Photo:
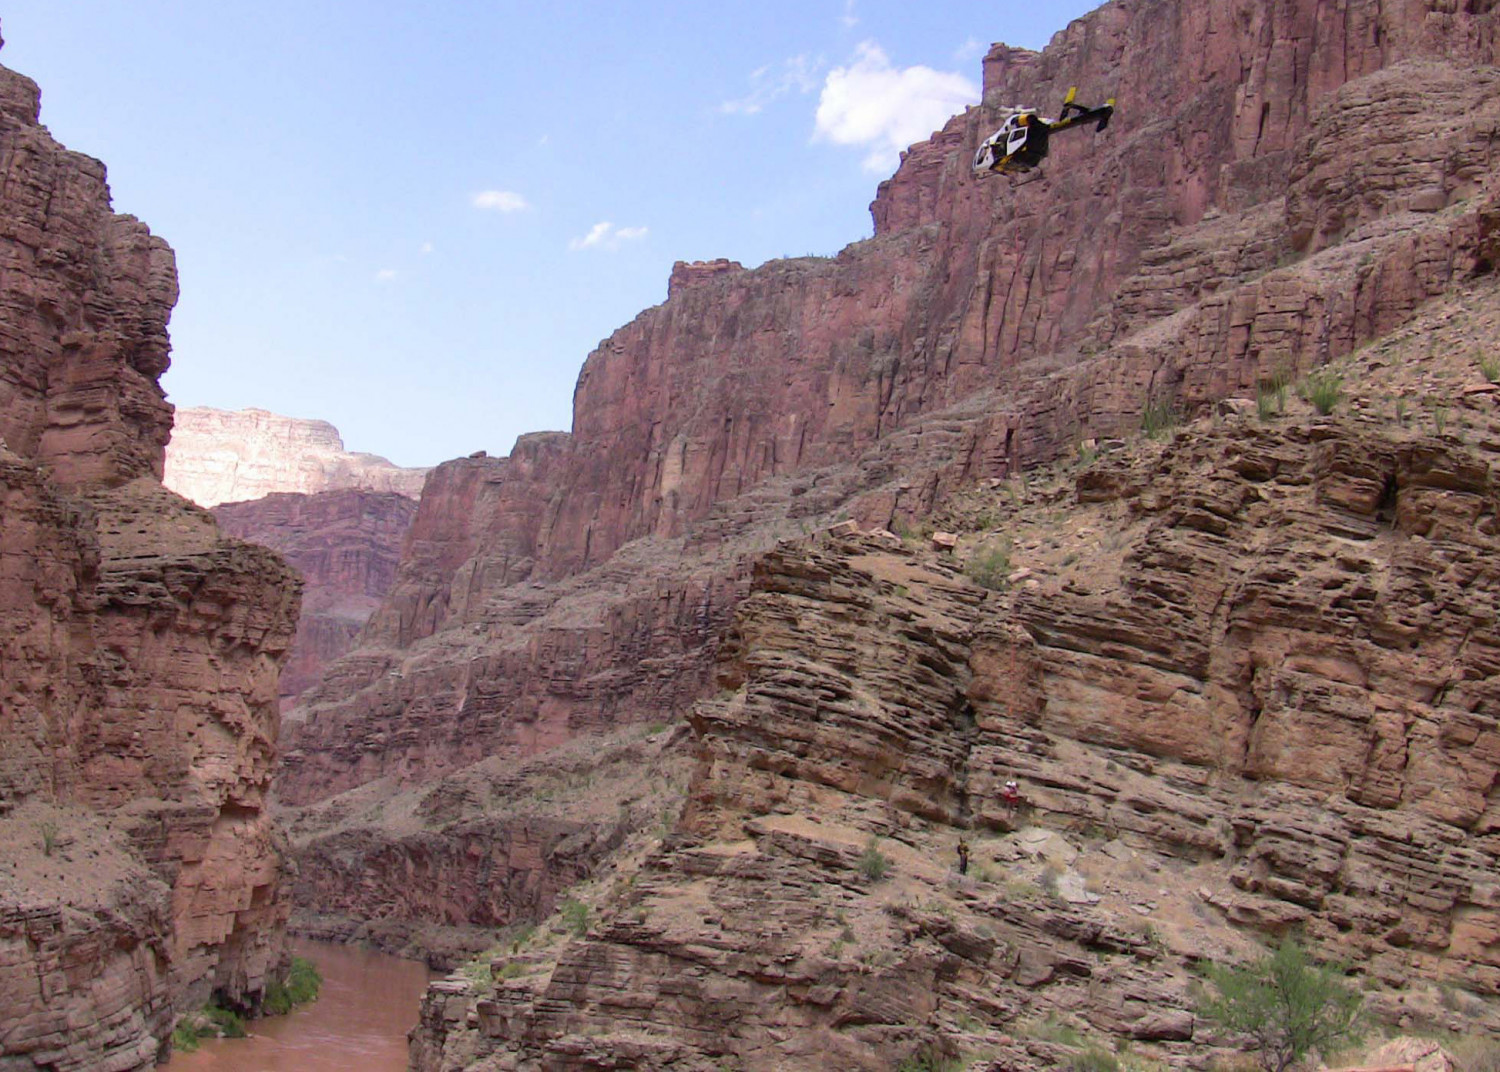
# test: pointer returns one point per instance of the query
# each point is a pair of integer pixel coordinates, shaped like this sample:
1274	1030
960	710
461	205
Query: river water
367	1005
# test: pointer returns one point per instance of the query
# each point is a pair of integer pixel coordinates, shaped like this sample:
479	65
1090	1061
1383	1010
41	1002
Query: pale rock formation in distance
219	456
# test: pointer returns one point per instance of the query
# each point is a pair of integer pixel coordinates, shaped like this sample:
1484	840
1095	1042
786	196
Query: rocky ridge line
219	456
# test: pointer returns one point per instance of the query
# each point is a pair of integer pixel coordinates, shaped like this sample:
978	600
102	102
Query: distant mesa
217	456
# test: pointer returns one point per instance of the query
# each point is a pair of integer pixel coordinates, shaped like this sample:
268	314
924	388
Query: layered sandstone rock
346	545
218	456
1282	193
140	650
1171	258
1242	677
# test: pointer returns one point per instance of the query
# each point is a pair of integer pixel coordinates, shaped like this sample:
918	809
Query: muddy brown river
367	1005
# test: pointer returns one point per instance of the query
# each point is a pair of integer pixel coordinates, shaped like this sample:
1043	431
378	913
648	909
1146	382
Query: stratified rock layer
1250	212
138	650
1283	183
217	456
1256	689
346	545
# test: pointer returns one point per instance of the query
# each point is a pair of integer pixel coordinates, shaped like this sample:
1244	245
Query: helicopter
1021	144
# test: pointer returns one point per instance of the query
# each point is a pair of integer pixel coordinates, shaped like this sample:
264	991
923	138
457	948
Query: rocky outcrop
217	456
346	545
1242	682
139	650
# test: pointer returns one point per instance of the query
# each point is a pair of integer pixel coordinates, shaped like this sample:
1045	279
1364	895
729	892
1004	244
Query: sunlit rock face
139	649
1256	206
219	456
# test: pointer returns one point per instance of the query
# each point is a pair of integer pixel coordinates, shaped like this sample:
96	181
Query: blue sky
415	220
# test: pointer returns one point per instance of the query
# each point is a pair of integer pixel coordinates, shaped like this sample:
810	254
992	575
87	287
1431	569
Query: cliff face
140	650
345	544
217	456
1246	691
1242	680
1287	195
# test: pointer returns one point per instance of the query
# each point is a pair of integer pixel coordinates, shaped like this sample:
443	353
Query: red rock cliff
346	545
1271	202
139	650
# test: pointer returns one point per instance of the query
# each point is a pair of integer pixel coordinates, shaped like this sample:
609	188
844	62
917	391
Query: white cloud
849	18
606	235
887	108
970	50
426	248
797	74
500	201
385	275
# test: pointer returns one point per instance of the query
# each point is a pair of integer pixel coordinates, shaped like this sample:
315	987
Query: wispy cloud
970	50
849	18
884	108
605	235
797	74
426	248
499	201
385	275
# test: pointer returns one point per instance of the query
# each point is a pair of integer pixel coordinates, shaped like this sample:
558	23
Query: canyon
666	730
141	873
1221	735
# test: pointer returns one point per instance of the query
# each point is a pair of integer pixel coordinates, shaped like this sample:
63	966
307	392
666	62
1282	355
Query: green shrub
300	986
1158	416
1287	1004
185	1038
1054	1030
1324	389
989	566
50	834
1270	393
873	863
1094	1059
1269	403
1489	367
929	1060
227	1022
575	916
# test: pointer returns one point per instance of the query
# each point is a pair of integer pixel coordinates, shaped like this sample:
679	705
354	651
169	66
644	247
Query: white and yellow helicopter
1021	144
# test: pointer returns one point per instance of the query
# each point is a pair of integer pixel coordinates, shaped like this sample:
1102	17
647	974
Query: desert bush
930	1060
1269	403
989	566
575	917
1489	366
1158	416
301	985
1053	1030
1094	1059
1325	390
50	834
1286	1003
185	1037
873	863
227	1023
